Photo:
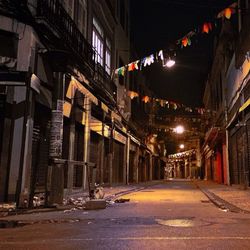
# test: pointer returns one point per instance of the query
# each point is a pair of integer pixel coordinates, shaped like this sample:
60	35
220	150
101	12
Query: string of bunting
168	104
185	41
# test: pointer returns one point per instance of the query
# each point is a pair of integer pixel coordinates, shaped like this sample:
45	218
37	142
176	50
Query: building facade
226	146
65	117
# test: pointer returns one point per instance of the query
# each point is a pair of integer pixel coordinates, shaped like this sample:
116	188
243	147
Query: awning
245	105
76	85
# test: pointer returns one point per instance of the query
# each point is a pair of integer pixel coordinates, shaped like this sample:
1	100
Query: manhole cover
183	222
176	222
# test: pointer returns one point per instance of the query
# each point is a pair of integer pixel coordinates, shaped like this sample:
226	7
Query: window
102	46
97	41
108	57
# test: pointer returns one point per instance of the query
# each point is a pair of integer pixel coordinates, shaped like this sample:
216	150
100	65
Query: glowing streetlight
169	63
182	146
179	129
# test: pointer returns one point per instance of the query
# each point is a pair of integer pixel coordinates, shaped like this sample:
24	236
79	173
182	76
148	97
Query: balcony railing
103	78
53	12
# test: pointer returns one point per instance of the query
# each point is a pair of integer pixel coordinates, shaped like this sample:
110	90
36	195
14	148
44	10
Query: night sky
158	24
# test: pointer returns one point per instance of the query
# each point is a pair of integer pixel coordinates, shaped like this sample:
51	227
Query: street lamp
168	63
179	129
182	146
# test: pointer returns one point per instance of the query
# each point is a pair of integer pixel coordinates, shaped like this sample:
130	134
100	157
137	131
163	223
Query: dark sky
157	24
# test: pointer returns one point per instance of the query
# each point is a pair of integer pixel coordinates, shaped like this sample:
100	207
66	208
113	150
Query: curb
62	207
221	203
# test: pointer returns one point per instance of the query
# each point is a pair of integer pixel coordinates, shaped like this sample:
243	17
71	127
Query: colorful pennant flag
206	28
184	42
145	99
132	94
227	12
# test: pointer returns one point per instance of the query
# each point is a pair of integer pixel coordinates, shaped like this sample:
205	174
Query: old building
215	148
226	146
65	116
237	99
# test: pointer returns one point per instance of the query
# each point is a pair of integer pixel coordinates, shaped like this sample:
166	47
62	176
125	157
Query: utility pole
55	181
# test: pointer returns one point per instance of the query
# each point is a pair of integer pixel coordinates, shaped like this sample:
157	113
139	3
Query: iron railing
103	78
54	13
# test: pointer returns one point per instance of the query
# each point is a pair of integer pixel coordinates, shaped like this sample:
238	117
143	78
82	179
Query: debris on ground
39	200
99	193
121	200
110	202
7	207
78	202
95	204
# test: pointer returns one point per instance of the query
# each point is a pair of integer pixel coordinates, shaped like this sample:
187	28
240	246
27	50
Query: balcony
60	22
104	80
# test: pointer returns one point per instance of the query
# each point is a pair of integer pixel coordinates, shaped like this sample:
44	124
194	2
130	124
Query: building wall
70	95
232	155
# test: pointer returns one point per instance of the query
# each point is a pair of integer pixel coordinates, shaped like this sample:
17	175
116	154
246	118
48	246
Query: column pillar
71	156
87	107
127	159
150	167
136	165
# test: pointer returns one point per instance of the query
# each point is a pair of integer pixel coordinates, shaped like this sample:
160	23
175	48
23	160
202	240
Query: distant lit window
102	46
108	57
97	41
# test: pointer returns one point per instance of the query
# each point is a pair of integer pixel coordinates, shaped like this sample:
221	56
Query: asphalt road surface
173	215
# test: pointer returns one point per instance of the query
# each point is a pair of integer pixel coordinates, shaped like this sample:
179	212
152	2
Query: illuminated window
97	41
108	57
102	46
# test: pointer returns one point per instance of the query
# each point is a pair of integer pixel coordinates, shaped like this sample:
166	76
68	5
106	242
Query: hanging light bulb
168	62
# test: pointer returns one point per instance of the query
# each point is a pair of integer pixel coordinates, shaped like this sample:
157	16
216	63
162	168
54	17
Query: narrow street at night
124	124
170	215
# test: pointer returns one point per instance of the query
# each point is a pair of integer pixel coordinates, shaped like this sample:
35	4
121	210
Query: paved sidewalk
233	198
77	200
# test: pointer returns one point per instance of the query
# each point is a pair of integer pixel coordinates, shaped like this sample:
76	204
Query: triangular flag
132	94
121	71
206	28
160	55
228	13
145	99
131	66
